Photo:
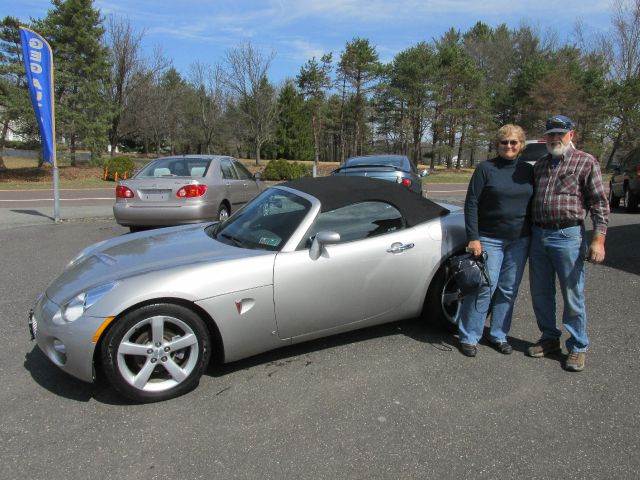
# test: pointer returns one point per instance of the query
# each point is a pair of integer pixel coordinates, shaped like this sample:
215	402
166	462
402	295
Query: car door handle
398	247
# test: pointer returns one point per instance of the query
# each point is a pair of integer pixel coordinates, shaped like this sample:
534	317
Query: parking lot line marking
62	189
62	199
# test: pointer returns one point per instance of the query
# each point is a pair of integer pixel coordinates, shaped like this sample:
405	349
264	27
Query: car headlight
75	308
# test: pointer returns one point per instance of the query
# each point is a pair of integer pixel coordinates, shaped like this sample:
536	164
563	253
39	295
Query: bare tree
207	103
151	104
625	45
246	78
626	38
124	50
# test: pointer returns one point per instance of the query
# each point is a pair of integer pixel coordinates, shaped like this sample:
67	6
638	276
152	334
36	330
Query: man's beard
558	149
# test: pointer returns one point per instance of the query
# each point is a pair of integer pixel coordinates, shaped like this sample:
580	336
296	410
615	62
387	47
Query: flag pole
56	178
41	88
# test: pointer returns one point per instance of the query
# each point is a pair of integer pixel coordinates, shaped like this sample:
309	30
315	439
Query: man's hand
596	249
475	247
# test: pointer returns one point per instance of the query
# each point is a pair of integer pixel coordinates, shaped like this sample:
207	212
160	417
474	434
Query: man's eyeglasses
513	143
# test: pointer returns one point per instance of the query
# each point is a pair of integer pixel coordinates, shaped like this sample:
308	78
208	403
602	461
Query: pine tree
15	107
74	30
314	81
360	67
293	137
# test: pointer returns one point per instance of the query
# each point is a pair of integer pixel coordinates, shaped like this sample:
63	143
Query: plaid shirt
566	191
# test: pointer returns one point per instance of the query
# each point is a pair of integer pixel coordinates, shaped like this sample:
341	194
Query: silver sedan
303	260
184	189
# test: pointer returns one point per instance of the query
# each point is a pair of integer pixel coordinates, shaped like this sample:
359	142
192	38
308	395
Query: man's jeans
505	264
559	252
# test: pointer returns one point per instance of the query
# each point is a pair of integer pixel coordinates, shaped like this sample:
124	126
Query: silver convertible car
303	260
184	189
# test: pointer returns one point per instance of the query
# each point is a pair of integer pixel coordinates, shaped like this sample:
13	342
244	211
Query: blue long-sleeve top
498	197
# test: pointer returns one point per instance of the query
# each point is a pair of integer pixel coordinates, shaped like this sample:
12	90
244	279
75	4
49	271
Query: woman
497	222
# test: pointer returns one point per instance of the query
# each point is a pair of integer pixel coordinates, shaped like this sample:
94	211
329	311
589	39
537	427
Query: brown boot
544	347
575	361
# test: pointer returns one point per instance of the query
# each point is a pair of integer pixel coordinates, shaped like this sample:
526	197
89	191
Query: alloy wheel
451	301
157	353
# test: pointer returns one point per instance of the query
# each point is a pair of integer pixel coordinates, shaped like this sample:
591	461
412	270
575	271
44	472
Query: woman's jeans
505	264
559	252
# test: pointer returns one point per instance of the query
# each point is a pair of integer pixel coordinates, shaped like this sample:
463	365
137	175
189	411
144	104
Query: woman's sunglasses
513	143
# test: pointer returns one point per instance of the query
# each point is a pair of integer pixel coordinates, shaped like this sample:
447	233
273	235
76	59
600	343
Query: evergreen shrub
123	166
283	170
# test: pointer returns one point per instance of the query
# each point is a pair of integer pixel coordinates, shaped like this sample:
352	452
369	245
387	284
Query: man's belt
558	225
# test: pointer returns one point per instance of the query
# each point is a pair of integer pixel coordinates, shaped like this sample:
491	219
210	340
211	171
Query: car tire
630	201
442	305
156	352
223	212
614	202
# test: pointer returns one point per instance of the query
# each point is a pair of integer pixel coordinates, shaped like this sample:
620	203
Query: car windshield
391	161
533	152
176	167
266	223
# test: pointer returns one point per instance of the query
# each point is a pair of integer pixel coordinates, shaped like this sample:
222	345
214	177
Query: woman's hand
475	247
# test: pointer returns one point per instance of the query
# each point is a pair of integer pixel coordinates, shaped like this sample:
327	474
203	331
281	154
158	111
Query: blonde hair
511	129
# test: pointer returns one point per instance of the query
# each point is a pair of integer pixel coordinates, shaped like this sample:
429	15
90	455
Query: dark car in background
533	151
625	182
394	168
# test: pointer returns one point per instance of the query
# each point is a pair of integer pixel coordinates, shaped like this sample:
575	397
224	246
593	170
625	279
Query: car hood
134	254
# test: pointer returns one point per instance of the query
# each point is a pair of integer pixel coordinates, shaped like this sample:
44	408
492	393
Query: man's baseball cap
559	124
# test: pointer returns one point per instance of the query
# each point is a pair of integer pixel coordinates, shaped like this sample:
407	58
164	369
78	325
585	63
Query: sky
203	30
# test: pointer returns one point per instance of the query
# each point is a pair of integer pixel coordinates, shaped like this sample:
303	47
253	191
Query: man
568	184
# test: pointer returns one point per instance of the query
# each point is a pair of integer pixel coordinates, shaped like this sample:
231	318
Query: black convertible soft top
336	192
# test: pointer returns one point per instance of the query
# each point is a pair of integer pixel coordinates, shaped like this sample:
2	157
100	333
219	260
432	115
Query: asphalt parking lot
395	401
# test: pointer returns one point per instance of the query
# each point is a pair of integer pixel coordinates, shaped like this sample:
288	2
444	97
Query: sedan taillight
406	182
123	192
191	191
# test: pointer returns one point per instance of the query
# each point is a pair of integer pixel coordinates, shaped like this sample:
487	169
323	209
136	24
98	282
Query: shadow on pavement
35	213
414	328
59	383
623	248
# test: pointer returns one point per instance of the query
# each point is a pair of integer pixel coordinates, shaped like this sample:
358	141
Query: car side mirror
424	173
257	176
321	239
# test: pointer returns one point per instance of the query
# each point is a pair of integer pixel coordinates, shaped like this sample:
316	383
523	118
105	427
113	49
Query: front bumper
67	345
157	215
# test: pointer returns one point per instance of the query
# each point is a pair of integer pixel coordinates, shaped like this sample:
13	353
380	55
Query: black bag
469	272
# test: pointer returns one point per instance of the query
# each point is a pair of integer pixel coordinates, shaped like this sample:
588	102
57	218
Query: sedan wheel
223	212
156	352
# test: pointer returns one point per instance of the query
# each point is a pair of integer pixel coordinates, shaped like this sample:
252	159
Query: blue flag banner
38	62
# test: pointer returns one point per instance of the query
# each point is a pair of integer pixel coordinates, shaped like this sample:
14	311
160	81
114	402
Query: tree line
438	101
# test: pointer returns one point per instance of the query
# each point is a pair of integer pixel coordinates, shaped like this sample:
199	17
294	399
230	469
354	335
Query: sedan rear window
176	167
392	161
